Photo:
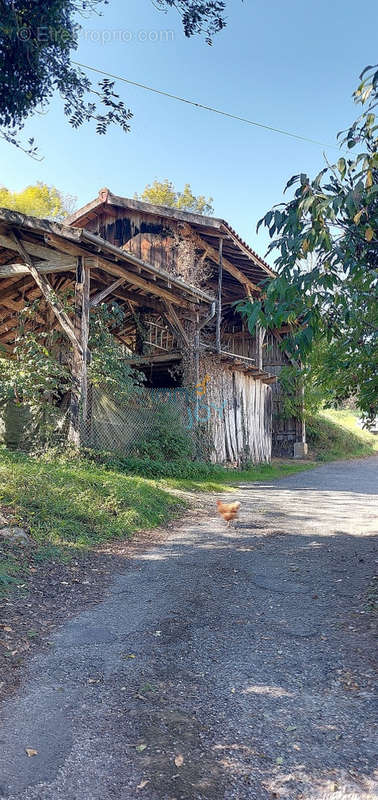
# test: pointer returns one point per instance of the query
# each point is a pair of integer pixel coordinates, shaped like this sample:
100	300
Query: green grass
65	502
226	480
334	434
195	475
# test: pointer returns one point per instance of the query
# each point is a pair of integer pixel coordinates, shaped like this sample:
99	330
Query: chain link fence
26	429
166	423
159	423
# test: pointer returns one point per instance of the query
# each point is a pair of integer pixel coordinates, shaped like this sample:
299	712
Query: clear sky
292	65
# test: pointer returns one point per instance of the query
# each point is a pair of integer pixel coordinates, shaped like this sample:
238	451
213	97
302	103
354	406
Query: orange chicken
228	511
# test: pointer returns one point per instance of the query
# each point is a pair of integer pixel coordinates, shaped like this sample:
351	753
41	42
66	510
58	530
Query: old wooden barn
176	276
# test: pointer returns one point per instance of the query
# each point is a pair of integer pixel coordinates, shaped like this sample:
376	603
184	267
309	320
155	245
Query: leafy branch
326	240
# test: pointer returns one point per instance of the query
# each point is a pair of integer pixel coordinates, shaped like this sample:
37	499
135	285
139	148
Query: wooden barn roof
53	249
210	229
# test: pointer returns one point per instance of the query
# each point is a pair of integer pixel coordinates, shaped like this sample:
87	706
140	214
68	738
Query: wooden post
219	299
260	336
79	390
300	446
301	421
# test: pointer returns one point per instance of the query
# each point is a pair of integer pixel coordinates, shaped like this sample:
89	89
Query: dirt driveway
223	664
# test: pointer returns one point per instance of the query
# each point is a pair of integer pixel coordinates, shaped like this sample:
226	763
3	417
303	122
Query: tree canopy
37	41
325	293
39	200
163	193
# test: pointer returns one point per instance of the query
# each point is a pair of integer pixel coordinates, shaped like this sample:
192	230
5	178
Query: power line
201	105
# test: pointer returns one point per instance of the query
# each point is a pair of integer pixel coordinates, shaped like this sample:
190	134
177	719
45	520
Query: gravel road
222	664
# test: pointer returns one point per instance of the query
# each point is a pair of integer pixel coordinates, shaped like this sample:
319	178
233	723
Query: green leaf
341	166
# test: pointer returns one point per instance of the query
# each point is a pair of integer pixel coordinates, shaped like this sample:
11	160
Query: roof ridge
105	196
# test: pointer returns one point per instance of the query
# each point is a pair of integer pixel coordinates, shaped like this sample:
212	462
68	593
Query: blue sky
292	65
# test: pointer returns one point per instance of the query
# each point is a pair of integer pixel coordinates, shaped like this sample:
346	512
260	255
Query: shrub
167	439
155	468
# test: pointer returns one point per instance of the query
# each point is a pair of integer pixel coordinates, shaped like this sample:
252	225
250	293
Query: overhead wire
202	105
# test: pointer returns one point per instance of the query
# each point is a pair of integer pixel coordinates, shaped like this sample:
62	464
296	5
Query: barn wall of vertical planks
240	430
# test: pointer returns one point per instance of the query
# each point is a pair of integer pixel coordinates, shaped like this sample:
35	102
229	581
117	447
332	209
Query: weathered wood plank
39	251
177	325
44	267
227	265
116	269
96	299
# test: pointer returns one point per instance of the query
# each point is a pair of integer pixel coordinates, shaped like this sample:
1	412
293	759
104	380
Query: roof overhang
210	229
50	242
54	248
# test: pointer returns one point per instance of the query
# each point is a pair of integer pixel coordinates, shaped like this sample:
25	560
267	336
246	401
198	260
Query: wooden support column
260	336
79	390
301	423
219	296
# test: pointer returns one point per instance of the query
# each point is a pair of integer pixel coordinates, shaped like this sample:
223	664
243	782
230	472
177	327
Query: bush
167	439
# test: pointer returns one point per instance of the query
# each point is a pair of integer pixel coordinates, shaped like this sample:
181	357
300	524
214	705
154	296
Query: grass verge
65	501
334	435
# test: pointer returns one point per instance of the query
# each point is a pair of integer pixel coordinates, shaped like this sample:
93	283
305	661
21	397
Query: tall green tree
163	193
38	200
38	39
326	238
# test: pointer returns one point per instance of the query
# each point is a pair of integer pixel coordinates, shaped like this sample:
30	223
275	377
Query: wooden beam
17	306
16	287
120	272
254	258
33	249
7	282
219	298
174	355
137	299
48	294
227	265
79	390
100	296
176	324
14	305
260	335
10	323
8	270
